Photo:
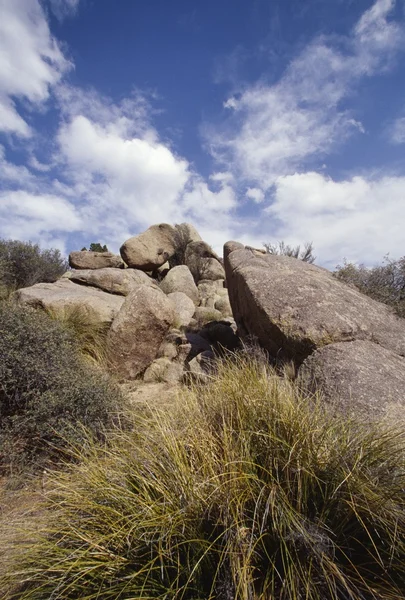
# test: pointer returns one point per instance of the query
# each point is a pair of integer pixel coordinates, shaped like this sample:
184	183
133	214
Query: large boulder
183	307
292	307
151	249
359	378
84	259
203	262
64	297
180	279
138	330
113	281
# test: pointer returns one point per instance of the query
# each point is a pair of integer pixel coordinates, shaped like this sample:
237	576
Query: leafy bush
244	489
306	254
385	283
23	264
46	389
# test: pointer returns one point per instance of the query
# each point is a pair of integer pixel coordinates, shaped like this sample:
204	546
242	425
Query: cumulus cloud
31	61
275	129
359	218
36	217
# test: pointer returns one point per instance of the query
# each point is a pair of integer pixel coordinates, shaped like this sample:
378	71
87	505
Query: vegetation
23	264
244	490
385	283
181	239
46	389
90	336
96	247
305	254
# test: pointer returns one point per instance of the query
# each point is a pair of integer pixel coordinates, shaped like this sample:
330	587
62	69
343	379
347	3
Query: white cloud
39	218
255	194
31	61
64	8
360	219
275	129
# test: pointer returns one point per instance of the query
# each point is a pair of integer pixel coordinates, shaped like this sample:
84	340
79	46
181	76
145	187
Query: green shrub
243	490
46	389
23	264
305	254
385	283
96	247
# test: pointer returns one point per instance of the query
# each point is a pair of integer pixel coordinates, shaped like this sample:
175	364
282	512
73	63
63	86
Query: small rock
163	369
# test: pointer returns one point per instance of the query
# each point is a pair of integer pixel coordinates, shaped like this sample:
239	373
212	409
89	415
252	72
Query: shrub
46	389
244	490
23	264
306	254
181	239
385	283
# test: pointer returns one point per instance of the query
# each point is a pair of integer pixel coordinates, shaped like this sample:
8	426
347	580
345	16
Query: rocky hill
171	309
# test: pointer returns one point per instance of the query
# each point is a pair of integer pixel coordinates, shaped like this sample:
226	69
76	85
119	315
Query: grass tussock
245	490
90	335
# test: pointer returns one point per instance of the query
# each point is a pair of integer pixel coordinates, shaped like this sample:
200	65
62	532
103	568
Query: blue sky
255	120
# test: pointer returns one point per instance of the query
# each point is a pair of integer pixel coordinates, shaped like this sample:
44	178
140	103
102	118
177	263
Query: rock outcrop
150	249
292	307
85	259
138	330
64	296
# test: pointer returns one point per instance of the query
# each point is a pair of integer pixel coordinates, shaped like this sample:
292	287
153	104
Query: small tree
283	249
97	247
23	264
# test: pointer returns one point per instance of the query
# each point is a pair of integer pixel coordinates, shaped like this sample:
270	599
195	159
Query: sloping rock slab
150	249
359	378
84	259
113	281
293	307
138	330
64	295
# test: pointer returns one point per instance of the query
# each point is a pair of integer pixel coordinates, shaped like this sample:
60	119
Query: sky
255	120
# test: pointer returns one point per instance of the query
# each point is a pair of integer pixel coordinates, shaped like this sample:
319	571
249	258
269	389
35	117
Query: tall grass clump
46	390
90	335
244	490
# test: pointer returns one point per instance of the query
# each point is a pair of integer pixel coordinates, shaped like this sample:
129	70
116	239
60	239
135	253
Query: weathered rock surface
203	262
210	291
180	279
64	296
113	281
205	315
163	369
183	307
224	306
150	249
293	307
138	330
359	378
84	259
